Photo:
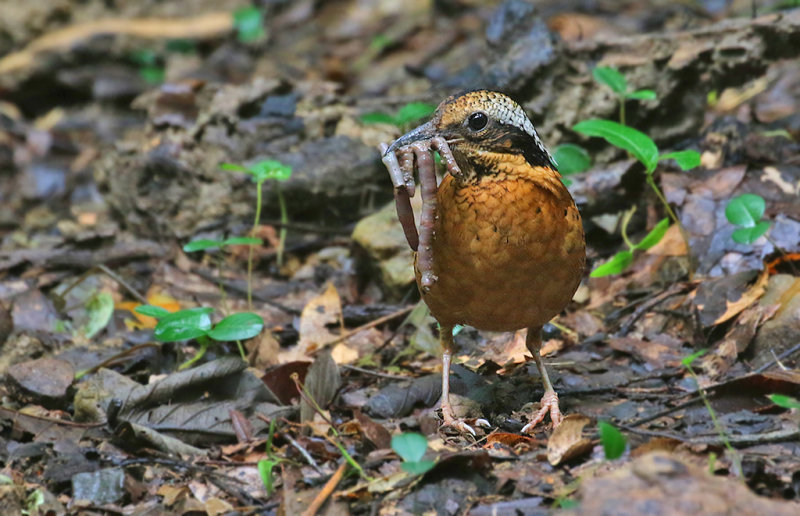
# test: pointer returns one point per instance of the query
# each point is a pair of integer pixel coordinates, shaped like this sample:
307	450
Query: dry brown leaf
671	245
750	296
567	441
320	312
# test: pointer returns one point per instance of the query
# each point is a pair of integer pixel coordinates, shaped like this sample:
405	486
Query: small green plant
265	466
612	78
784	401
261	172
411	447
622	260
723	434
337	438
613	441
151	66
195	323
745	211
644	149
407	114
206	244
249	24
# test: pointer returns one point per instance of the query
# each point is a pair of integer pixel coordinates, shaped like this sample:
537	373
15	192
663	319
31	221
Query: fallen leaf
750	296
567	441
323	310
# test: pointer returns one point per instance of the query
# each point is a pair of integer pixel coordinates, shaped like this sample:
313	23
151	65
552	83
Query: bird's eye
477	121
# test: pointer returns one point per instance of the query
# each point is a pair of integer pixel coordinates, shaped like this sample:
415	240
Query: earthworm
402	196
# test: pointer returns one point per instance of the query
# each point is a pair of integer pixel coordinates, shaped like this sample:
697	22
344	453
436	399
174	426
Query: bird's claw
462	426
549	404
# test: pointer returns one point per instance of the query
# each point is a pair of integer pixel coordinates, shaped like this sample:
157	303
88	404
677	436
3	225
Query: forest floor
678	372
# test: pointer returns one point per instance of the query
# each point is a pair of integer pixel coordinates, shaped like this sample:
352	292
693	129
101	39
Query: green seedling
265	466
151	66
784	401
337	438
612	78
411	447
723	434
623	259
181	46
407	114
644	149
745	211
195	324
206	244
613	441
249	24
261	172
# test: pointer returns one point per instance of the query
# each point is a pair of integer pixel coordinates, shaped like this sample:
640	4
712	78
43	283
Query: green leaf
233	167
687	361
618	263
413	111
183	325
265	467
249	24
654	236
377	118
152	74
612	439
417	467
624	137
784	401
100	309
181	46
687	159
156	312
612	78
242	241
749	235
237	327
410	446
270	169
380	42
641	95
571	159
144	57
202	244
745	210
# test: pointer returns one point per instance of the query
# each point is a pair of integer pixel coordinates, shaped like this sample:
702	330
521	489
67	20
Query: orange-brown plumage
507	249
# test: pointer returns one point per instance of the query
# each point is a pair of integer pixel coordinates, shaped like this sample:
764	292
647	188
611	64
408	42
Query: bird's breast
508	251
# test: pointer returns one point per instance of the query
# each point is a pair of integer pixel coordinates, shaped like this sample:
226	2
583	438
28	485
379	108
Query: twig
777	359
380	320
113	275
375	373
326	491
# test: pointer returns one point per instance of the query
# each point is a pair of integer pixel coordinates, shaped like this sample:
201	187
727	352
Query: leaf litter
99	197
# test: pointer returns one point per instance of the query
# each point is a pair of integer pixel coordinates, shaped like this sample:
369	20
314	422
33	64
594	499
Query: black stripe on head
512	139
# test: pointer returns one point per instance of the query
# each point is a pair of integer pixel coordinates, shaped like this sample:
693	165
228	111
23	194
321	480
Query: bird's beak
424	132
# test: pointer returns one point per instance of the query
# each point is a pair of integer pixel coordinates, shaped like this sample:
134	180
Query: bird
504	246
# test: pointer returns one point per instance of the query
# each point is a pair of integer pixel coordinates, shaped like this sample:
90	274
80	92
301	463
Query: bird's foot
462	425
549	405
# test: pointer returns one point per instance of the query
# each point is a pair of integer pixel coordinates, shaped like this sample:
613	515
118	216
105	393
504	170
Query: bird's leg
427	183
550	399
448	416
402	175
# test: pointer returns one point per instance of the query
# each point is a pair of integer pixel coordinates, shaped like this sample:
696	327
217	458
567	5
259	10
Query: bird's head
481	128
